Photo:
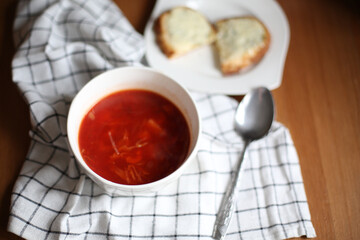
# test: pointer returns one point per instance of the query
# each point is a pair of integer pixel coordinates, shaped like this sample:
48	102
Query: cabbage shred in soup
134	137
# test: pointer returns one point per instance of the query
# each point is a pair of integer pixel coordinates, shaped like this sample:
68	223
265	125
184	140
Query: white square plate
199	70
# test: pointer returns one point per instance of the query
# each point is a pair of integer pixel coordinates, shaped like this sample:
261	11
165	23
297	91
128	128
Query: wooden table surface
319	101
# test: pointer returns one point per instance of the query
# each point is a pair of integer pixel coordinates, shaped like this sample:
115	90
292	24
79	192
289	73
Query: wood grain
319	101
14	119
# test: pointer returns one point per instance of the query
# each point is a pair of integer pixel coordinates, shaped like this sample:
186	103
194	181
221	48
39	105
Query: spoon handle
228	203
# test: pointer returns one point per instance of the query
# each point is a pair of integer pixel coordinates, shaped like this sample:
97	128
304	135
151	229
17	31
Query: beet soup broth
134	137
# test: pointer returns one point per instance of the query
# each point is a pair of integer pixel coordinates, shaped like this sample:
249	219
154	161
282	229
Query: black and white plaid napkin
61	45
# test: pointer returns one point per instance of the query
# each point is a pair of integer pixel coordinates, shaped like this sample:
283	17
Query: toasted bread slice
241	42
181	30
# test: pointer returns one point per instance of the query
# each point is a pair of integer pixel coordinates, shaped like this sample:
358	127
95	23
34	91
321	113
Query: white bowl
132	78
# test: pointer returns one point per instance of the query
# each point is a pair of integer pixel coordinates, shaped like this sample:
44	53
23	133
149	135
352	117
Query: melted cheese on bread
182	29
241	42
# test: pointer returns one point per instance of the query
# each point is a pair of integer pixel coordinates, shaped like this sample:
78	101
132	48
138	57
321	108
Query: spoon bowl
255	114
253	119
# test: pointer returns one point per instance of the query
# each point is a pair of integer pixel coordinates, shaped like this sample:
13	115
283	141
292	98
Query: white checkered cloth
61	45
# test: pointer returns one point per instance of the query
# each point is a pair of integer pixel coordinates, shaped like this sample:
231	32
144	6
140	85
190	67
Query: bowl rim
139	187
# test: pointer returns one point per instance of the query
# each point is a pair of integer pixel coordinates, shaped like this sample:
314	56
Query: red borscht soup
134	137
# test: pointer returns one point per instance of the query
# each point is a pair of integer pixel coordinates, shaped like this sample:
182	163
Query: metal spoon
253	119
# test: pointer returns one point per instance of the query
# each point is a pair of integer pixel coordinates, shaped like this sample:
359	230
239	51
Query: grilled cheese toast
241	42
181	30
